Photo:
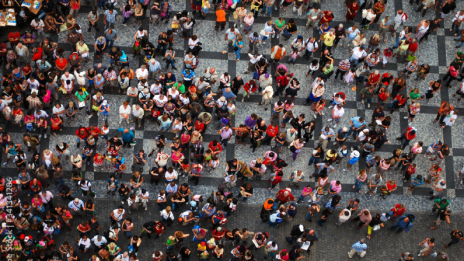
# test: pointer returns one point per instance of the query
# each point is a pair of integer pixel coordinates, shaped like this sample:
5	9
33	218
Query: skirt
248	28
291	92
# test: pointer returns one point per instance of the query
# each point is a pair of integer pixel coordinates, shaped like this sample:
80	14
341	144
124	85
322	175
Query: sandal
435	121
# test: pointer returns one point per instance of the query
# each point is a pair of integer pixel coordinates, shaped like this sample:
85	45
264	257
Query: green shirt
278	24
181	89
459	60
327	71
440	204
414	96
83	96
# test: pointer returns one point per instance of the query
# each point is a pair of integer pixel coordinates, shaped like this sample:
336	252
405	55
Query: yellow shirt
329	40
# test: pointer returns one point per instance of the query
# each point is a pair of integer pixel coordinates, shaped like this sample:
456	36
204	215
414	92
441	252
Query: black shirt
94	226
378	115
293	254
164	40
61	150
433	26
237	83
150	226
375	222
386	123
116	143
231	165
111	53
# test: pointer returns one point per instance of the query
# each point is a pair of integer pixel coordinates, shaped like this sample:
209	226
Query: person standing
408	135
359	248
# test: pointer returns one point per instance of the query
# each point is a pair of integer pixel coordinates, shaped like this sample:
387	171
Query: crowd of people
43	87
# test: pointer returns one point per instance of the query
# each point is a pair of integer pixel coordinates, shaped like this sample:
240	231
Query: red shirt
218	235
3	47
38	55
14	35
412	46
199	126
215	148
375	77
62	64
398	212
408	135
271	131
325	17
82	136
276	180
400	100
282	198
411	170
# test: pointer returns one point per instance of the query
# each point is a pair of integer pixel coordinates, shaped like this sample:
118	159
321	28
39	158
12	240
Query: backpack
411	217
210	200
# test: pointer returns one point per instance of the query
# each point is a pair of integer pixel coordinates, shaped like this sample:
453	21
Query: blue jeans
286	33
460	43
124	21
128	233
354	60
164	128
308	216
60	182
159	46
319	222
301	198
313	160
395	226
109	43
224	142
42	14
358	184
172	63
274	224
267	10
398	41
406	141
352	132
455	27
237	53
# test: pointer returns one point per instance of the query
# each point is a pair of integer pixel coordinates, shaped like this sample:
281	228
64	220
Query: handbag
376	227
235	15
457	23
235	48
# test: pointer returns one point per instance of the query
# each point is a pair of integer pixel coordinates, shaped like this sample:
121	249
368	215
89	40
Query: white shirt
123	110
400	18
160	101
311	46
84	186
117	215
165	214
48	196
177	126
86	243
271	247
192	43
169	176
99	243
344	218
34	85
122	258
155	88
362	136
174	93
458	16
141	74
269	94
338	112
58	110
137	113
254	60
357	54
64	78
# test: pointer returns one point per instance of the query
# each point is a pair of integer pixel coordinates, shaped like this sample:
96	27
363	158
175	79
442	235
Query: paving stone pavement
438	52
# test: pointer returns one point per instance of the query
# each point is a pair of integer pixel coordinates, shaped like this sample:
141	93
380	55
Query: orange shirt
62	64
221	16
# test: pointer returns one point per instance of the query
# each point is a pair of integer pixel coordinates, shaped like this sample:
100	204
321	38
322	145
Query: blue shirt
228	95
406	226
189	76
111	18
169	188
154	67
353	34
111	36
127	137
356	123
359	247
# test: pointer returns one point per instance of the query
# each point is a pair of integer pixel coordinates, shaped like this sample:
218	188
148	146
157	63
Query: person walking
359	248
456	235
404	224
428	244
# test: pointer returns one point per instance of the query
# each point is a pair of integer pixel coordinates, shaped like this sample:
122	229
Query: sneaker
368	105
122	202
331	106
45	136
120	122
419	254
329	120
146	208
335	143
40	136
335	126
405	117
277	36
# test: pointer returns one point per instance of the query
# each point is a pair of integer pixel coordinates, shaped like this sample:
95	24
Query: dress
354	11
348	77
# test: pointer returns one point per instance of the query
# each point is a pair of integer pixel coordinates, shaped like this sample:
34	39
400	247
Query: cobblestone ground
334	242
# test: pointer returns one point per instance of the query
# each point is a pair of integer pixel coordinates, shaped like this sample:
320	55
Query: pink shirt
334	186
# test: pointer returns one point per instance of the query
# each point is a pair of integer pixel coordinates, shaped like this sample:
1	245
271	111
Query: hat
301	227
355	154
105	102
35	91
266	75
202	232
193	203
344	129
376	72
137	43
145	90
223	99
203	243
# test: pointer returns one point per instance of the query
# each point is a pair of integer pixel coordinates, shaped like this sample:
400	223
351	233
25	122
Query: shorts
411	115
9	156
